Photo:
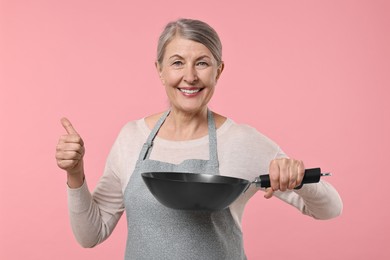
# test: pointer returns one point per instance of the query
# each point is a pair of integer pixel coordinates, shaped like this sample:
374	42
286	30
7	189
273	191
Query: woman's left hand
285	174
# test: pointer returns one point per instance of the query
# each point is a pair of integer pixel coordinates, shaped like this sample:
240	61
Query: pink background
312	75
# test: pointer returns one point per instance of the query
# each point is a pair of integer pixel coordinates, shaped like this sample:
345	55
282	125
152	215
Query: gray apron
158	232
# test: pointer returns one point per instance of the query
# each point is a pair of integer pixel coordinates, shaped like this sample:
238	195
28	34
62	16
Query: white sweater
242	152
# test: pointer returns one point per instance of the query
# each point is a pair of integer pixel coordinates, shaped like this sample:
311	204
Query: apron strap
212	139
147	147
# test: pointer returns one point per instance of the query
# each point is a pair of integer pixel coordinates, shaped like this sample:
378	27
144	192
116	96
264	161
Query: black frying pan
190	191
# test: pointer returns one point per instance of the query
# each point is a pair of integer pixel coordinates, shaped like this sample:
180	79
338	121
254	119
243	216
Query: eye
177	64
202	64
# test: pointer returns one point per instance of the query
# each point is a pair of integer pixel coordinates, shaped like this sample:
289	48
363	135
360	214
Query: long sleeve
94	216
242	151
91	222
318	200
245	153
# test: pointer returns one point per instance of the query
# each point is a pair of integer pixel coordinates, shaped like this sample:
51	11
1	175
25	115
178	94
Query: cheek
212	79
214	75
171	78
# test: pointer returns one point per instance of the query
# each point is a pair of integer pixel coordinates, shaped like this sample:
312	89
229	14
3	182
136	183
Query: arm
92	216
319	200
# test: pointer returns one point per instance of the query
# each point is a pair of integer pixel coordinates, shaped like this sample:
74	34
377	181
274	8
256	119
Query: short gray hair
193	30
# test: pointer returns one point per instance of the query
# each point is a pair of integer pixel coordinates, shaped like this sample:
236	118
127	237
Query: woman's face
189	73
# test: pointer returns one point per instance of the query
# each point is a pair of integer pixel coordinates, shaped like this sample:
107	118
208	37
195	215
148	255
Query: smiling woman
189	73
186	138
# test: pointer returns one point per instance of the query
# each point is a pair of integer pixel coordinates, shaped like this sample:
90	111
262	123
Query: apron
158	232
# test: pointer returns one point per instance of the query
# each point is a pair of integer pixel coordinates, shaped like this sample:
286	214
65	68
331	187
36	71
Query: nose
190	75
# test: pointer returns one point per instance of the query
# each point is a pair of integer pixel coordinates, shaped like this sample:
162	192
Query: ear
220	69
159	71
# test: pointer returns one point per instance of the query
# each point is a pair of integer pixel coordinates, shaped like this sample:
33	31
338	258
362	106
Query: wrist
75	180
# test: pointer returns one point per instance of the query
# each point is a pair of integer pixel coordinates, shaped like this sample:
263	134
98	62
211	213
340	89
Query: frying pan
193	191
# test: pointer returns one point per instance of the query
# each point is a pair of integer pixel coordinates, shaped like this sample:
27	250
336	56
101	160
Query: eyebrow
175	56
180	57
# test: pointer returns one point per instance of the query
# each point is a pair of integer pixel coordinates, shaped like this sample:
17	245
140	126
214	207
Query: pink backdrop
312	75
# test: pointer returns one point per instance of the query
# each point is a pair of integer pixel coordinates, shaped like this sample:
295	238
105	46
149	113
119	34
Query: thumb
68	126
268	193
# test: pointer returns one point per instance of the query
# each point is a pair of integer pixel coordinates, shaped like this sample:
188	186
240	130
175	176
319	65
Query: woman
186	138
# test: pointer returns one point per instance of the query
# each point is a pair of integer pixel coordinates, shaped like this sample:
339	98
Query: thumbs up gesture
70	151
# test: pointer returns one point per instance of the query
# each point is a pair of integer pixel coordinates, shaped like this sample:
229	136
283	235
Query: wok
193	191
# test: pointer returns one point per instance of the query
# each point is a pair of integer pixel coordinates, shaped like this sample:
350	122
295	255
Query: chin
190	109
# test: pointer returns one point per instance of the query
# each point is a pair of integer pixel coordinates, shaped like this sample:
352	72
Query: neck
186	126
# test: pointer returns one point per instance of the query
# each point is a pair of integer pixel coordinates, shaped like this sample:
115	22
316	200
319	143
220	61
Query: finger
68	139
284	172
268	193
67	164
293	174
68	126
64	146
301	173
68	155
274	174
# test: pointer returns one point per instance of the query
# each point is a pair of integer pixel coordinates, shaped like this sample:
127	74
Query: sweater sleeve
318	200
94	216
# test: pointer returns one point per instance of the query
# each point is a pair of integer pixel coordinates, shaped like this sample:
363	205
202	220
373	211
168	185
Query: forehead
186	48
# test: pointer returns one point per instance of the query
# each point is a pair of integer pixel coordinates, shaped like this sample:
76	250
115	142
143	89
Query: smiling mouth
190	91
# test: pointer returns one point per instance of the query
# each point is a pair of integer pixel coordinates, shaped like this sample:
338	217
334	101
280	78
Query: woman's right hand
69	154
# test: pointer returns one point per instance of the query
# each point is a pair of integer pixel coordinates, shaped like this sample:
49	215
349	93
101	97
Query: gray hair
193	30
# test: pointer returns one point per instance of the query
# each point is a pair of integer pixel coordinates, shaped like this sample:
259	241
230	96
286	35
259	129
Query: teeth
190	91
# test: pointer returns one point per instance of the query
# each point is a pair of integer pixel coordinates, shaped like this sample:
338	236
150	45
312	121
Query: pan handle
312	175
